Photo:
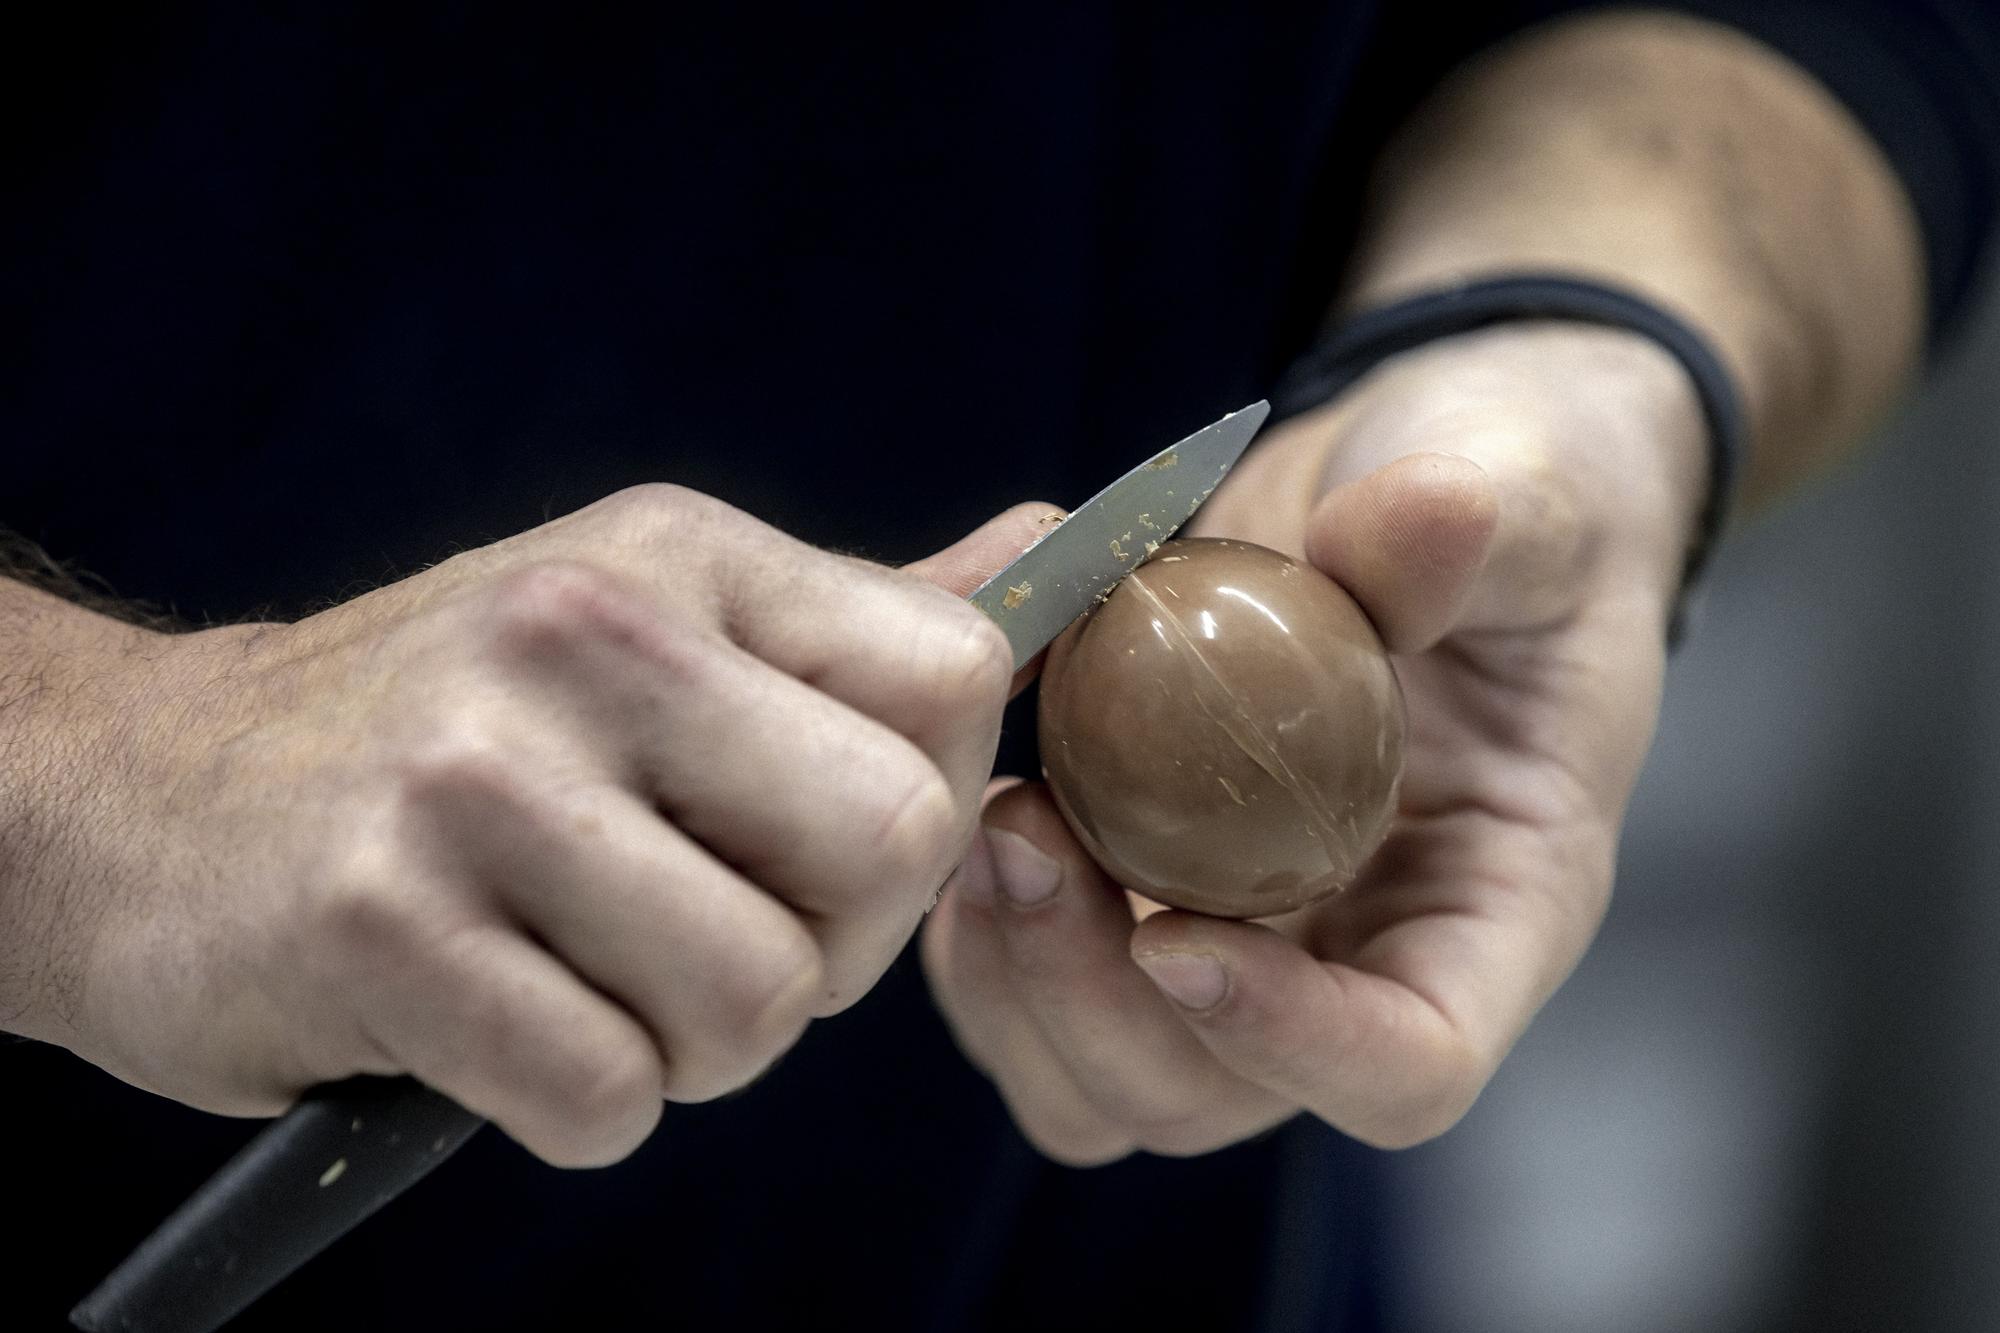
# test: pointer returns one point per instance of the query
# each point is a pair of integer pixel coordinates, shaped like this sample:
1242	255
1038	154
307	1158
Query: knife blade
1077	564
348	1148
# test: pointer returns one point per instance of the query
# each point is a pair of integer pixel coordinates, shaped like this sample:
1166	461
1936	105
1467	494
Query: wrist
1683	160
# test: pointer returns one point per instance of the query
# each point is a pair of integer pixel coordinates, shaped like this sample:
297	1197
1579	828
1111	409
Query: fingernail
1025	873
1194	981
973	880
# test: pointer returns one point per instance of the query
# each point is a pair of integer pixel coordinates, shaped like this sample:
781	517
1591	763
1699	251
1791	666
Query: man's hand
1512	508
600	814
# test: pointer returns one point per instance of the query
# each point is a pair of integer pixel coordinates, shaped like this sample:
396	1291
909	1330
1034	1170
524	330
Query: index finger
888	643
964	566
900	645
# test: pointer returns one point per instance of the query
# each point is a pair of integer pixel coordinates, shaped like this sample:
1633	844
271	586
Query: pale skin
594	817
1512	508
606	813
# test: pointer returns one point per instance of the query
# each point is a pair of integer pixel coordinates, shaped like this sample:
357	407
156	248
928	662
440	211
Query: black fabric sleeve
1922	76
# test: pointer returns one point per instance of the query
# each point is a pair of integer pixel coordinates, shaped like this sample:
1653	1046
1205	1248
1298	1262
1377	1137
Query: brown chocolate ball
1224	733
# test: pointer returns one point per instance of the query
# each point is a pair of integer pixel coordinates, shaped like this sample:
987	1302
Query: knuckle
490	1034
363	920
460	760
861	950
966	667
771	998
551	604
759	1010
1071	1140
1550	520
549	611
658	511
1429	1108
1185	1142
607	1106
1172	1133
655	504
918	833
986	658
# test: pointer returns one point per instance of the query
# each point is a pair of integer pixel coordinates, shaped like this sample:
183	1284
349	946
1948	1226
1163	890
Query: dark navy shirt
297	303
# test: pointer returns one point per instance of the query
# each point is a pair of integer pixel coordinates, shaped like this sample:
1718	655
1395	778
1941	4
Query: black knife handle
346	1149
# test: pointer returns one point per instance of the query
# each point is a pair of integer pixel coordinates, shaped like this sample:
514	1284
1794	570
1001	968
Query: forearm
1684	161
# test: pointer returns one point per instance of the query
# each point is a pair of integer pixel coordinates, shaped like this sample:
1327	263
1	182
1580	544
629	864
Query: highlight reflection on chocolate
1225	733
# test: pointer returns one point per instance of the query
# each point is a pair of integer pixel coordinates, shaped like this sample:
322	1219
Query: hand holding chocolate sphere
1225	733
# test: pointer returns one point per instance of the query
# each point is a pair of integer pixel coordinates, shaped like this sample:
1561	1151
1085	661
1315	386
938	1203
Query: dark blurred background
1762	1103
1769	1097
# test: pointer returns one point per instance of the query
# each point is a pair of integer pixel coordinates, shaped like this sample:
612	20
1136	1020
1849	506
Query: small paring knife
349	1147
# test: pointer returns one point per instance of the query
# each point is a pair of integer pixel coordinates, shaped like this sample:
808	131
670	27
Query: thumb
976	557
1408	542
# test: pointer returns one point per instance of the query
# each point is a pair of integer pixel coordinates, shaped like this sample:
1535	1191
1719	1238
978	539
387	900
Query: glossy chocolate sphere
1224	733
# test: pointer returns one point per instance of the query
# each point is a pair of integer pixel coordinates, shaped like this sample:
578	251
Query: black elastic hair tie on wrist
1347	352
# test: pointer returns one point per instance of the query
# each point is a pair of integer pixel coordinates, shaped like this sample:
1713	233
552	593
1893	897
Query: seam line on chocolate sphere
1263	752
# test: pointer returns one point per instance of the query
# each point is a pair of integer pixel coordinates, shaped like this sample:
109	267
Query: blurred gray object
1770	1096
